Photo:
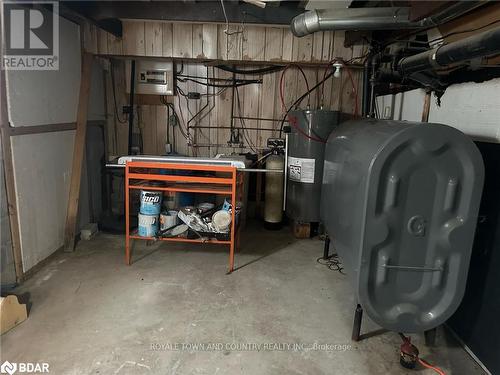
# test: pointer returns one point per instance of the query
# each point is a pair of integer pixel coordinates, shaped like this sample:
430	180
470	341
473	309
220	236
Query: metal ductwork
392	18
476	46
350	19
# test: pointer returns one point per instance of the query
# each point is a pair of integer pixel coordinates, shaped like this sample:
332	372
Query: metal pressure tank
306	149
400	202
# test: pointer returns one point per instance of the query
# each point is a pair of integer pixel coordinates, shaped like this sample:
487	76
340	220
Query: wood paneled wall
209	41
196	48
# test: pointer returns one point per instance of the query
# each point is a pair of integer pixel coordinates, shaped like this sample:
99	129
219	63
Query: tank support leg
356	327
326	249
430	337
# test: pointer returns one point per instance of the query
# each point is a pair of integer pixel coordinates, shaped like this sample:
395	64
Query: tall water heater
306	151
400	202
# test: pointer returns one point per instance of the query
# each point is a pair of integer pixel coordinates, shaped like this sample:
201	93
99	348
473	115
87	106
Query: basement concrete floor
91	314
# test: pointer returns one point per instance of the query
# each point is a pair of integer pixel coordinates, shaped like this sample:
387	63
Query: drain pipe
387	18
476	46
365	102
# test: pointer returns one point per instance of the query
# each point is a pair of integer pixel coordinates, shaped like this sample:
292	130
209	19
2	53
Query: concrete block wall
473	108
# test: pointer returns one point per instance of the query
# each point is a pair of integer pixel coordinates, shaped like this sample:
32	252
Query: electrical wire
397	40
270	69
172	107
282	88
182	69
332	262
298	101
263	157
431	367
407	340
463	31
362	57
243	125
226	30
215	93
184	76
199	112
236	83
168	124
180	91
140	128
184	134
114	95
293	121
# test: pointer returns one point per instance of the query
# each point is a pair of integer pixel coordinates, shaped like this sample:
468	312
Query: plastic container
168	219
148	225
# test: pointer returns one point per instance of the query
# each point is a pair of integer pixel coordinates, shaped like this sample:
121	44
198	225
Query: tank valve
408	356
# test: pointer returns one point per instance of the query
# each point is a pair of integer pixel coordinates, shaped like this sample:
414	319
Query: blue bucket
148	225
151	202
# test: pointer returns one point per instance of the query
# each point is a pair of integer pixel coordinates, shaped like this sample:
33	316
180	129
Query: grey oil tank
306	150
400	203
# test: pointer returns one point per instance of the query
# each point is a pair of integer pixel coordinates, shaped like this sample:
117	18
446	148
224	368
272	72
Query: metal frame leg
233	222
326	249
127	217
356	326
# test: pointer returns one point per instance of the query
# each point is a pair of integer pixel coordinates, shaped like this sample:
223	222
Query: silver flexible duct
392	18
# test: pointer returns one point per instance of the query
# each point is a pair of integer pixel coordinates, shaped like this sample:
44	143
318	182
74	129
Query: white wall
474	108
403	106
7	269
50	96
42	162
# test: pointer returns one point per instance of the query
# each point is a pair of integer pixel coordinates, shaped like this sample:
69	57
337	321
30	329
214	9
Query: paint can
151	202
168	219
221	220
148	225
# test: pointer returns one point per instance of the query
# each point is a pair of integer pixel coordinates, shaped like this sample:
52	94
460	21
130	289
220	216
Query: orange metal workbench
227	182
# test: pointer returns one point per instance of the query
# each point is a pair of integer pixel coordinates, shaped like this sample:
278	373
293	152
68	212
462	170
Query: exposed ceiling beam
202	11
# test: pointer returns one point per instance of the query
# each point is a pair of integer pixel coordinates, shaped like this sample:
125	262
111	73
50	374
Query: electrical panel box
152	77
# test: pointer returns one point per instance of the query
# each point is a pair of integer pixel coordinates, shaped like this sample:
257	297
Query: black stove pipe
476	46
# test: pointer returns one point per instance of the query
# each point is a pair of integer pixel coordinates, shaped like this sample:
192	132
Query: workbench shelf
185	177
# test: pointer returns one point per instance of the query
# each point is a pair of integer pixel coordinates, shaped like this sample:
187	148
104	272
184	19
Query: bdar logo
8	368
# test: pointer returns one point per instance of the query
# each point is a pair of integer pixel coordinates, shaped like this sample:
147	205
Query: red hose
431	367
293	121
